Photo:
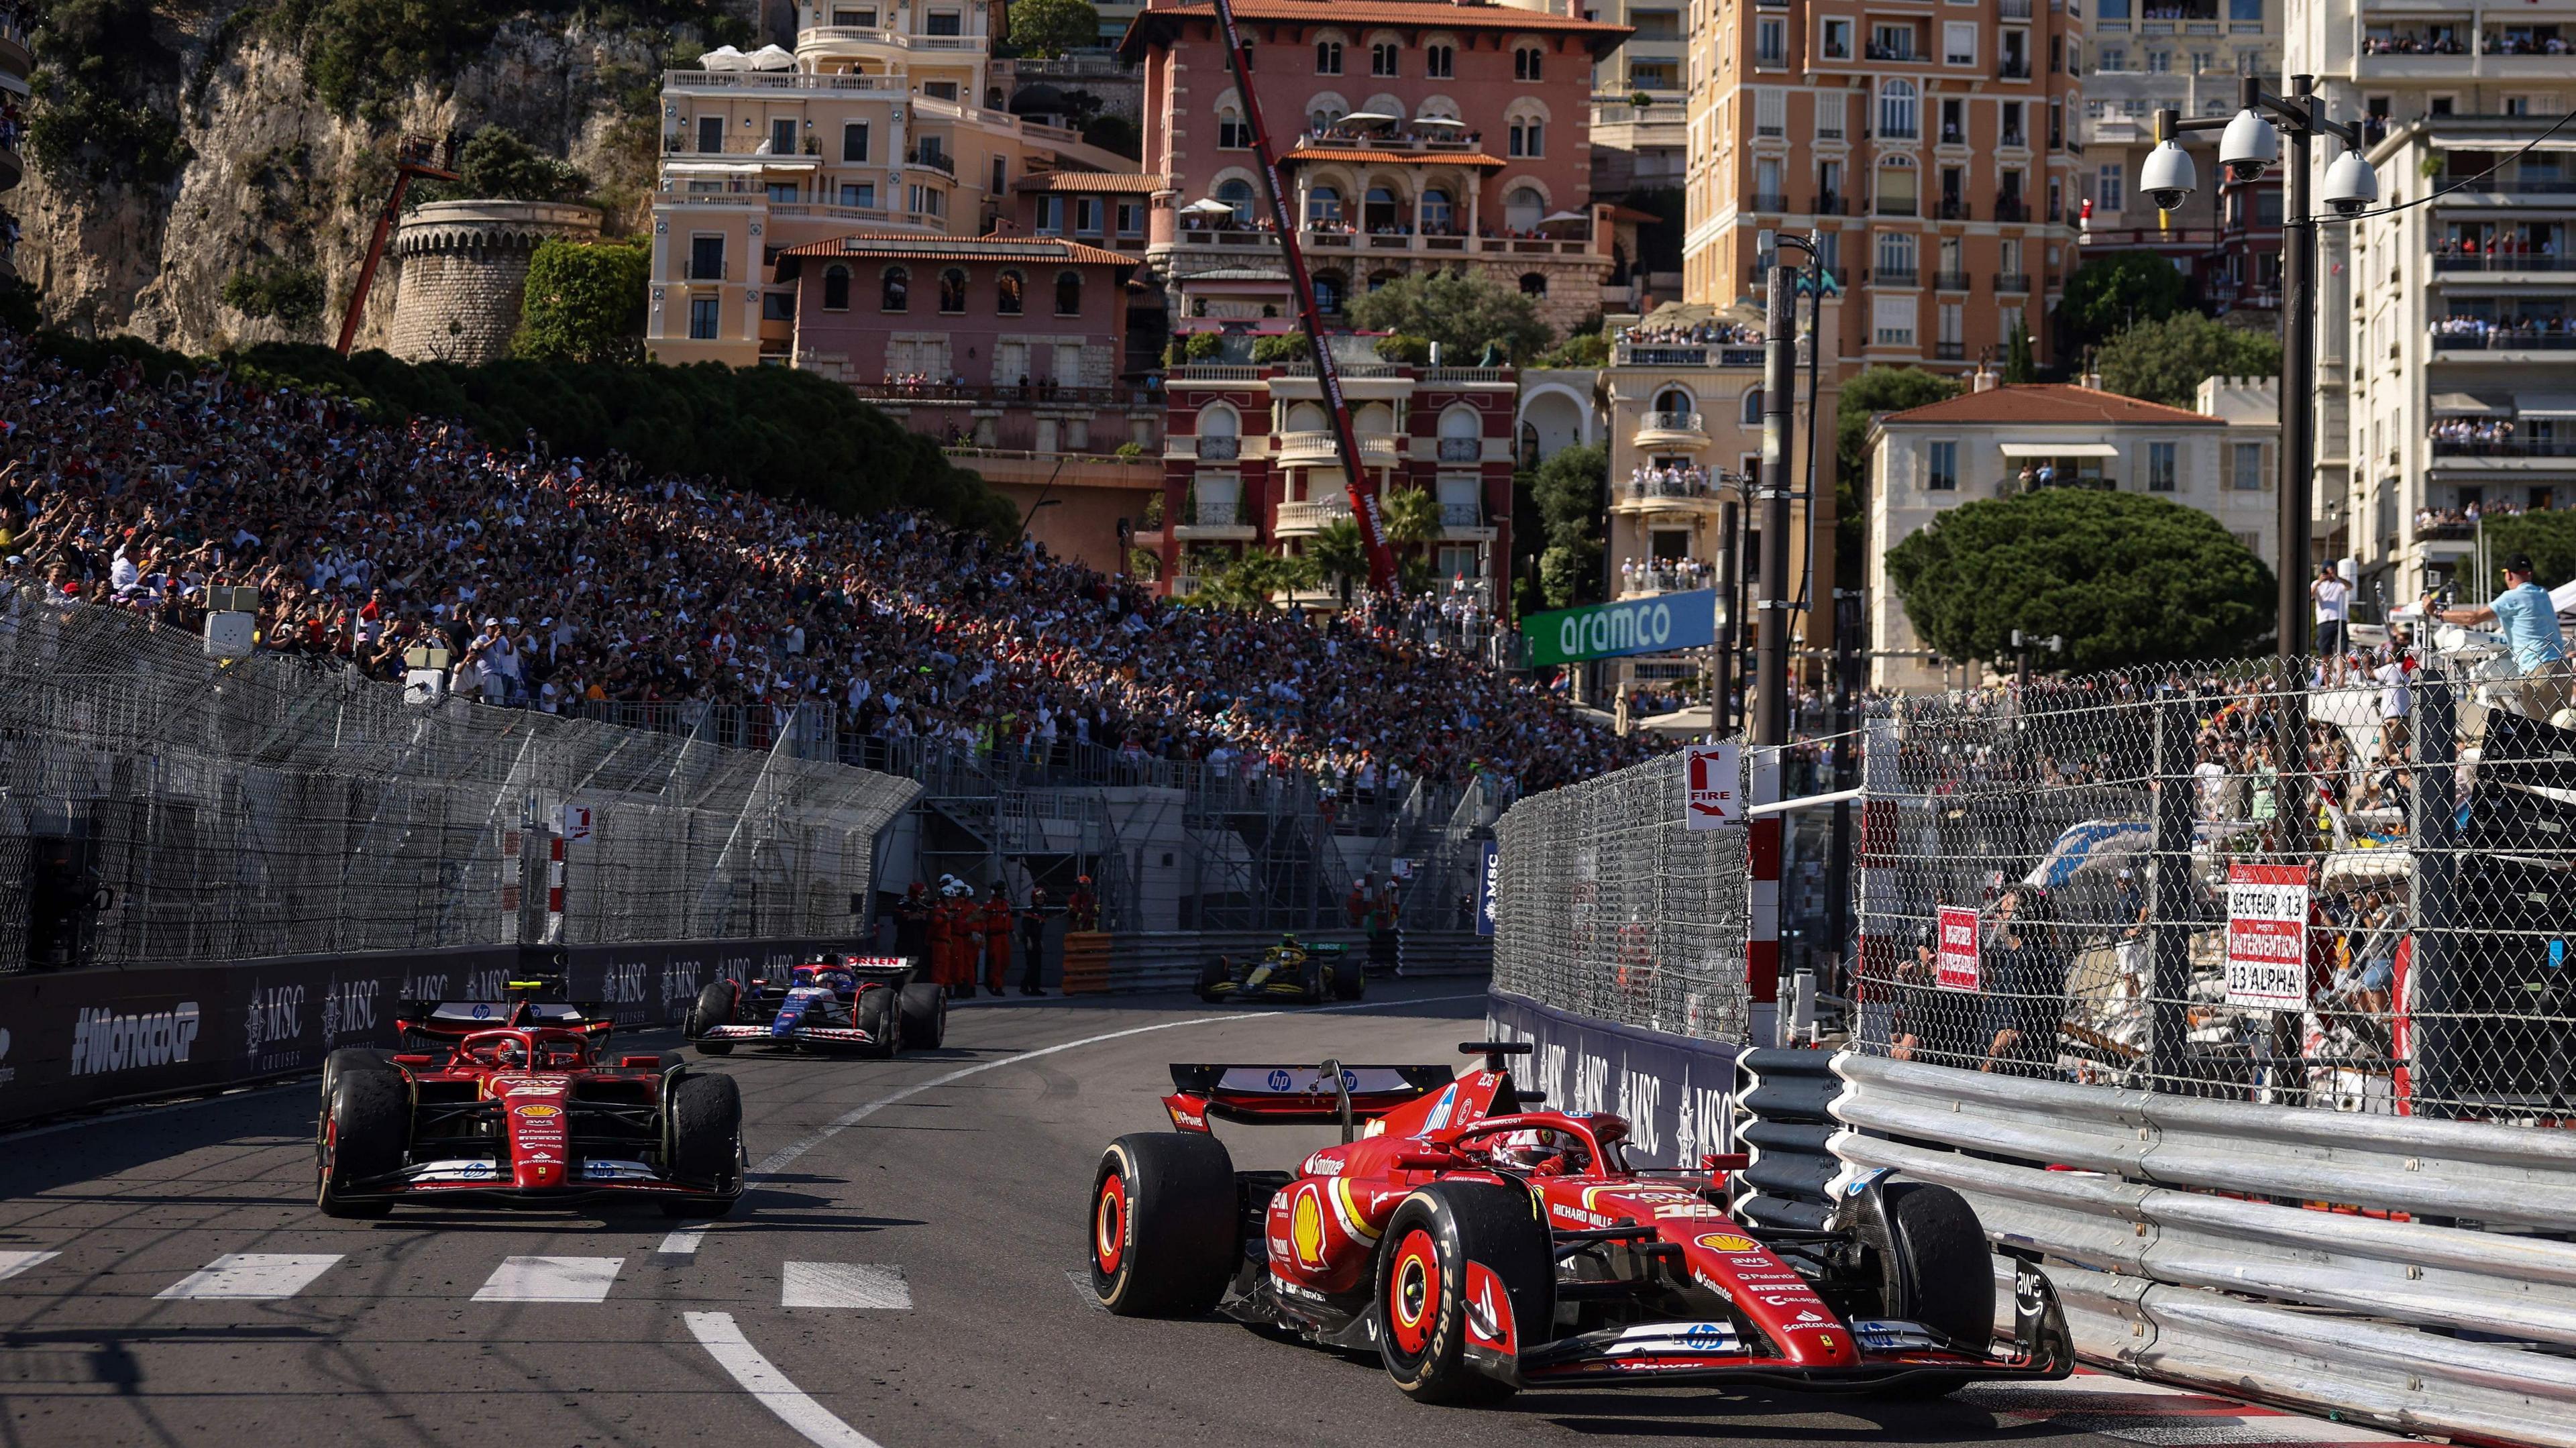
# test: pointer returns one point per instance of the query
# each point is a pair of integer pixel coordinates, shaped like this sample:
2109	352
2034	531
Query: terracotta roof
1393	158
1426	13
2040	403
1119	181
1630	213
901	246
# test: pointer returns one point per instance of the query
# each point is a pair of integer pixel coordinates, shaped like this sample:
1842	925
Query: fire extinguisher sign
2267	936
1715	778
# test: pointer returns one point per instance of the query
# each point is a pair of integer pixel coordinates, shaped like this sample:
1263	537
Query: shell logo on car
1306	1227
1728	1242
539	1113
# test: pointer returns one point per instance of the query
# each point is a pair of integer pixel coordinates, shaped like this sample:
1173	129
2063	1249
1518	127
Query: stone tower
463	270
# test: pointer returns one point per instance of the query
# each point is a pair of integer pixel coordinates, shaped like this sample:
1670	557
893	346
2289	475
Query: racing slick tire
1166	1224
1212	975
1422	1293
1318	983
1940	1249
347	1058
702	1141
878	1013
366	1128
1350	979
925	1017
714	1008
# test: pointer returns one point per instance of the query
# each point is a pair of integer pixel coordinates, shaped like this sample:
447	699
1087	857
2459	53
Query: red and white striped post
1763	837
513	872
554	889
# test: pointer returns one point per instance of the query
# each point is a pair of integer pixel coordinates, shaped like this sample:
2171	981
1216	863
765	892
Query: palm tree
1411	516
1337	551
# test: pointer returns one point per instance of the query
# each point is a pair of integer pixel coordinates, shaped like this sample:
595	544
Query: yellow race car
1288	971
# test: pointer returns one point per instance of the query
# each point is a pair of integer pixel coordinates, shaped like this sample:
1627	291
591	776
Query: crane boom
1364	499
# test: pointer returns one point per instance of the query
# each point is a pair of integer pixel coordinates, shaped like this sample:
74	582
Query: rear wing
455	1020
880	967
1324	1095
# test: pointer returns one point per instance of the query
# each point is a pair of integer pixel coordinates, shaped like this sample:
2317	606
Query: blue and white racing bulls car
867	1005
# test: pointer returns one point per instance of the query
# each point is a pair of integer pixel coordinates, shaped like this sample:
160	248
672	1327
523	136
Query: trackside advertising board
2267	936
1661	624
1955	958
1489	883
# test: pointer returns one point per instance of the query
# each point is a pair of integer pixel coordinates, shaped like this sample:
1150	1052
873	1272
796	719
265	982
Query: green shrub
290	296
1286	347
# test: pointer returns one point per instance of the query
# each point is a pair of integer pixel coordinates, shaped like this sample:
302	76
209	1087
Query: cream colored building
884	119
1928	460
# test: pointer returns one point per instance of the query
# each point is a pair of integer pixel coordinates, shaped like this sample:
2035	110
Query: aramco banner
1661	624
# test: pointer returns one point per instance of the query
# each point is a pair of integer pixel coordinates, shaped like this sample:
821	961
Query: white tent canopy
1369	118
2464	404
771	57
1207	206
724	57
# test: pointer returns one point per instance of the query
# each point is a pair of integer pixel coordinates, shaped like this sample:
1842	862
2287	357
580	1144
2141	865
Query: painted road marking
688	1240
734	1353
252	1276
845	1284
13	1263
550	1279
2160	1414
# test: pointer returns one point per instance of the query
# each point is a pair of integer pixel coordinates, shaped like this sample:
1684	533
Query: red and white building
1251	463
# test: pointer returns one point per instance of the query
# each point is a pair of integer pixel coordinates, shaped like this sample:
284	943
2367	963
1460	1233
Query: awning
2462	404
2057	450
744	167
2553	405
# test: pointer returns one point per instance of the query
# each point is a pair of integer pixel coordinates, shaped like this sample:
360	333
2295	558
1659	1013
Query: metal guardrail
2404	1271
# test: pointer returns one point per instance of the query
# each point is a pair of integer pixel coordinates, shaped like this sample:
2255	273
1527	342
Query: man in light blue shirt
2528	619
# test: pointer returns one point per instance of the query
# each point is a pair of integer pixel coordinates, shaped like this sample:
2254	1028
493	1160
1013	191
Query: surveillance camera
2350	185
2168	177
2249	146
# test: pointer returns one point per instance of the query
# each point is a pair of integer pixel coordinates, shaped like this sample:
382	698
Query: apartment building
1417	134
2448	381
1928	144
2190	56
1638	88
1251	463
882	119
1995	440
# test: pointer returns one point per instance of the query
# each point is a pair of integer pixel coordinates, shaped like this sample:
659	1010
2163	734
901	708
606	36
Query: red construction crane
1364	500
415	156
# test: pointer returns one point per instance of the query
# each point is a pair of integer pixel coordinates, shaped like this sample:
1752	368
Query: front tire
703	1137
1165	1224
1350	980
877	1013
366	1129
1423	1295
714	1008
1212	975
1939	1272
925	1017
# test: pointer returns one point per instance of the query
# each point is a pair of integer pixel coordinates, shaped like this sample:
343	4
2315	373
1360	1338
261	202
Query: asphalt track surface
165	1279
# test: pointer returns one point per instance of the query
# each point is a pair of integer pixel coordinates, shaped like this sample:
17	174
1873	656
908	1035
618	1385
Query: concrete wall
461	273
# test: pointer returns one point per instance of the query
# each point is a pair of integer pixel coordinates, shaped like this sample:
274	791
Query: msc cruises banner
1661	624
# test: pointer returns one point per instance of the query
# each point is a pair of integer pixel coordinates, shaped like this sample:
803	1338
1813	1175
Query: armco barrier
72	1040
2187	1267
1152	960
1676	1092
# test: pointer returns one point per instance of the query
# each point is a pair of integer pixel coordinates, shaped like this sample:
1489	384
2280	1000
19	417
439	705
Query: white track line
734	1353
688	1239
251	1276
13	1263
845	1284
550	1279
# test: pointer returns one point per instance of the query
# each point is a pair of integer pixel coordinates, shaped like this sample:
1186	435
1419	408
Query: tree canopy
1052	27
585	302
2126	578
1568	492
1463	313
498	163
2164	361
2550	539
1875	390
2110	293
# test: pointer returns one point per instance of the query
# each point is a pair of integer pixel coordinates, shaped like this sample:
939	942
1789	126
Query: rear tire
1212	975
1166	1224
366	1129
1350	980
714	1008
703	1137
925	1017
1422	1292
1942	1249
877	1013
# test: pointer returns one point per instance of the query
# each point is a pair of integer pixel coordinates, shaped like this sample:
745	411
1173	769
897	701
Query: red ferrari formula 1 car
1482	1246
520	1104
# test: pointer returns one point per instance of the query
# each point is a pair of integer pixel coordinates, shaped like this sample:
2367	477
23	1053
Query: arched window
1379	211
1533	284
1328	57
1010	294
1673	399
1378	279
1384	56
1323	206
1525	62
897	295
952	290
1068	294
1523	208
1439	213
836	289
1462	421
1374	418
1751	413
1898	117
1307	417
1330	288
1528	136
1219	419
1440	60
1237	193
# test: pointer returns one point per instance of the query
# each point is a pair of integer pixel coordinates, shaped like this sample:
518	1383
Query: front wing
486	1181
819	1037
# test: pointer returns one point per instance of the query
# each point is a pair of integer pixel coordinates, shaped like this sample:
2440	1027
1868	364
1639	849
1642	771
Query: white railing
1669	422
1374	448
776	80
1312	515
891	39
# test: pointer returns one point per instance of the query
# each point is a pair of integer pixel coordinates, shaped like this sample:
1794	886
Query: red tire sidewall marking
1417	1263
1109	1223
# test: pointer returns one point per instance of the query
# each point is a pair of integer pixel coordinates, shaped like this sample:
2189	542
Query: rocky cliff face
280	183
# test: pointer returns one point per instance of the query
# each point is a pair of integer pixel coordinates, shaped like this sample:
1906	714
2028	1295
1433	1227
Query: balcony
2526	338
1894	206
1462	515
1949	351
1668	575
1829	204
699	269
1895	276
2013	68
1331	241
776	80
1671	429
850	39
1311	516
2012	281
1668	354
2502	262
748	148
2015	141
2012	9
1893	54
1462	449
1770	201
2011	208
1215	448
931	158
1952	281
2511	447
1953	209
1658	492
1400	141
1318	449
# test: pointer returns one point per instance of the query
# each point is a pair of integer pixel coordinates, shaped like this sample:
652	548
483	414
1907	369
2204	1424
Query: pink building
1416	133
1252	465
1009	350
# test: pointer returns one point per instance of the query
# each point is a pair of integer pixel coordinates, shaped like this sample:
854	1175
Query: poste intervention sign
1656	625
